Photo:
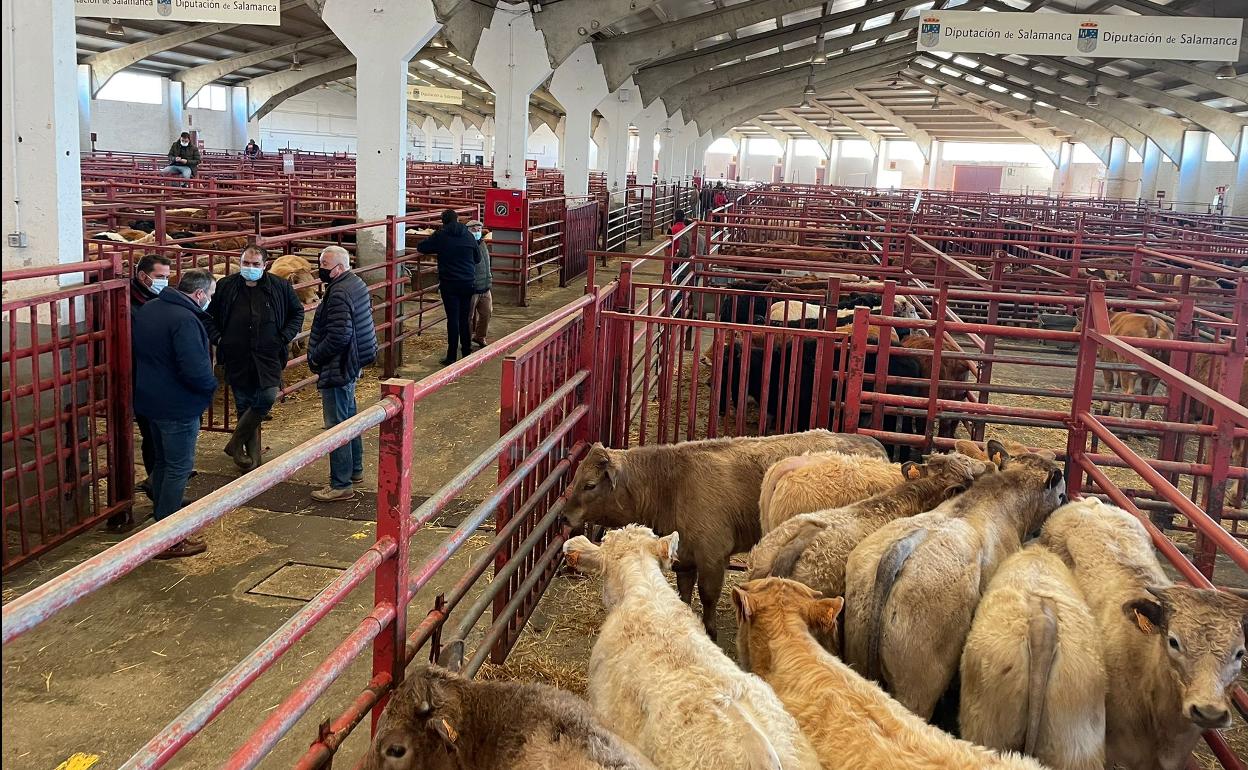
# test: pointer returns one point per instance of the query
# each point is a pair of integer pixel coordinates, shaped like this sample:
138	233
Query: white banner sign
1092	36
266	12
435	95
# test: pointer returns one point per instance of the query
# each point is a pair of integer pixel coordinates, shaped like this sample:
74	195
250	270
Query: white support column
561	133
84	107
238	118
42	177
834	162
743	156
1061	175
1152	165
487	137
683	147
1193	156
428	127
790	148
457	139
580	85
1237	206
648	122
176	114
932	168
383	36
602	139
511	58
697	158
618	109
1116	171
881	157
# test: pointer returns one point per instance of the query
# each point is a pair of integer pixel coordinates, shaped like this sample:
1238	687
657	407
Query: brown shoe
331	495
188	547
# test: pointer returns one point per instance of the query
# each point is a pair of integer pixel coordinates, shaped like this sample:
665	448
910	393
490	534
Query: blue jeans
173	168
174	442
260	399
338	404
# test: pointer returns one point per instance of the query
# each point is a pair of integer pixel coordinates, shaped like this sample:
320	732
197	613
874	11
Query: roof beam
814	132
567	25
916	134
267	91
865	132
771	131
108	63
196	78
621	56
1046	141
1235	88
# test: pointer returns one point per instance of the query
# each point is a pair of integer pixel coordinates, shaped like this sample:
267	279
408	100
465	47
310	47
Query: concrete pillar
84	108
174	110
561	132
457	139
1116	171
602	141
1061	175
1237	205
696	161
383	35
579	84
428	128
881	155
42	177
790	147
648	123
511	58
834	162
487	141
1152	165
743	154
619	108
1192	158
238	118
932	168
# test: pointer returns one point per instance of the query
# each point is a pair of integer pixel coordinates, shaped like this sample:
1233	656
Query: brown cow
1126	324
705	490
951	370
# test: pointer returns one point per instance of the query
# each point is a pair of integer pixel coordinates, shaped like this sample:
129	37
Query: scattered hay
230	541
531	662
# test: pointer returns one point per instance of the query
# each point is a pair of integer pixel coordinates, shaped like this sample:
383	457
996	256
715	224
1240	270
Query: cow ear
911	471
452	656
821	614
582	555
665	549
998	454
442	727
1146	615
741	603
612	466
1055	478
970	449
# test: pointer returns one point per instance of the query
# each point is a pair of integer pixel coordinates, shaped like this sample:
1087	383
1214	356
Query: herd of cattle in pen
888	607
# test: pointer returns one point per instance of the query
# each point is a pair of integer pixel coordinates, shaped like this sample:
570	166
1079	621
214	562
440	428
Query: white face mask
159	284
204	305
183	142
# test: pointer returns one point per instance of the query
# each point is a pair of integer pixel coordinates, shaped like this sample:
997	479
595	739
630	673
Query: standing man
173	386
457	257
183	157
256	317
342	342
481	308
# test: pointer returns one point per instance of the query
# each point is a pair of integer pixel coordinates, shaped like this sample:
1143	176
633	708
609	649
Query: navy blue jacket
173	363
343	339
457	254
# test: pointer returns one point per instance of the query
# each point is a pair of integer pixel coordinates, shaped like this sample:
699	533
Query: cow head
596	494
623	553
1202	635
421	726
763	607
1038	471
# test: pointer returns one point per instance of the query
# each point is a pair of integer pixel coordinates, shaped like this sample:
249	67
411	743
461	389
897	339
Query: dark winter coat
283	303
343	339
189	153
481	283
173	363
457	253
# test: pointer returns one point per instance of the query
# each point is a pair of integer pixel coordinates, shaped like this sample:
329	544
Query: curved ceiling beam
1052	145
105	64
567	25
820	135
195	78
1236	88
865	132
770	130
915	134
621	56
268	95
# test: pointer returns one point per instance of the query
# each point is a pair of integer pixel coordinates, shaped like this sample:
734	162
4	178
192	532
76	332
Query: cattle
300	273
925	574
819	481
951	370
1132	325
1033	675
1208	370
706	490
1171	652
851	723
124	235
437	720
813	547
660	683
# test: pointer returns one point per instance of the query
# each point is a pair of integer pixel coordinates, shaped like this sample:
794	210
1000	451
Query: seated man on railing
183	157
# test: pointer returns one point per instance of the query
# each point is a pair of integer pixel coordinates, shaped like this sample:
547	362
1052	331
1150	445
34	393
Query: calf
925	574
1172	652
301	274
437	720
706	490
663	685
1033	676
816	482
851	723
1132	325
951	370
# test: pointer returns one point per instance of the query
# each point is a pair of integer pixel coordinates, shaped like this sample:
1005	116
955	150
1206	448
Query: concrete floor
103	676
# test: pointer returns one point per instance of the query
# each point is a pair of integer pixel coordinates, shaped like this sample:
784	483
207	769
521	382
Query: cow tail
1041	652
788	556
886	572
759	753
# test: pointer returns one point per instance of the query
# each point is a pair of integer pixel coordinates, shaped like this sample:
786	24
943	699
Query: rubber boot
247	425
254	450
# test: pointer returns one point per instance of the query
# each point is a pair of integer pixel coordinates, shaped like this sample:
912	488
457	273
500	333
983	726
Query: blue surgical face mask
158	284
477	234
251	273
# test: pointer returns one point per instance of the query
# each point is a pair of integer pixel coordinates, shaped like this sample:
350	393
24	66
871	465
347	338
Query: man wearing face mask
342	342
173	385
183	157
482	305
256	316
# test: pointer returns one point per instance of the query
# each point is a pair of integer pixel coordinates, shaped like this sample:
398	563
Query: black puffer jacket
457	254
343	339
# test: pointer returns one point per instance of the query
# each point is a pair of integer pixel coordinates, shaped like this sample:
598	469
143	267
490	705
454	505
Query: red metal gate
580	234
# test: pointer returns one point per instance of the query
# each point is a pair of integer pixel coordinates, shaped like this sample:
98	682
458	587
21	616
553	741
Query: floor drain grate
296	580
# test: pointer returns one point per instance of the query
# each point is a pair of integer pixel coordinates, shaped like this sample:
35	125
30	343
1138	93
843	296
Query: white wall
544	147
320	120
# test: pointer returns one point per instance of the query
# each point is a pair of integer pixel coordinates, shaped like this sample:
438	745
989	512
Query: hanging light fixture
116	30
1225	72
1093	99
821	52
295	64
808	94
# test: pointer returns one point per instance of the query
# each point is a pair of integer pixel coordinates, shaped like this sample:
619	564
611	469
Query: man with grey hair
173	385
342	342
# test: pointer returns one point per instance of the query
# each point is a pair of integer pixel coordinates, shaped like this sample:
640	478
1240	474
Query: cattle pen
660	355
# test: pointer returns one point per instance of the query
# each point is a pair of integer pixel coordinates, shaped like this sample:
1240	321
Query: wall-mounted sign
530	164
1092	36
435	95
265	12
